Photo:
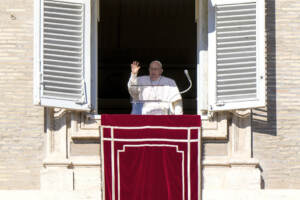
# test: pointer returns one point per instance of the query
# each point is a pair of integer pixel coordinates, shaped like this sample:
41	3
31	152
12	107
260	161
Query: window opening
145	31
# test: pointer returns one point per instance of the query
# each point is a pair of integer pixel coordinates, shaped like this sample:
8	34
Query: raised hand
135	67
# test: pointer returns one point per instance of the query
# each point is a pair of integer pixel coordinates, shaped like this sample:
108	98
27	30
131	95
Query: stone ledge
87	126
50	195
281	194
233	162
87	161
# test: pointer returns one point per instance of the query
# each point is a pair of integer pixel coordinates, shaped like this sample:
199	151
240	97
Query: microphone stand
186	72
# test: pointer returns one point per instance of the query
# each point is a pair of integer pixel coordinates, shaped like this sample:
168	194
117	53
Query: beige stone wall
276	129
21	124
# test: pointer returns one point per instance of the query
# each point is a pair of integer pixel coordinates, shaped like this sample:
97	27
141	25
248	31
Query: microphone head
186	72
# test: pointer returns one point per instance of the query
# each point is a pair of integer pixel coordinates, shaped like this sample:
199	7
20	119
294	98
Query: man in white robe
153	94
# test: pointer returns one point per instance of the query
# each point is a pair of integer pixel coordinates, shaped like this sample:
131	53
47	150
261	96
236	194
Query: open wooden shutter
236	54
63	59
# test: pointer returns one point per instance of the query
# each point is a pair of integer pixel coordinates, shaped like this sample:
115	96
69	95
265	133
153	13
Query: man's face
155	71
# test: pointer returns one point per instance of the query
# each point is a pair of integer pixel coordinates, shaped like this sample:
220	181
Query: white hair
156	61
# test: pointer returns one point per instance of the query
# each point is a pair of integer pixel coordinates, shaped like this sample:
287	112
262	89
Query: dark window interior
145	30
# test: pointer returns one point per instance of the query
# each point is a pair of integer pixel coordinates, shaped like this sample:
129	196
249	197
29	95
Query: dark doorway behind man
145	30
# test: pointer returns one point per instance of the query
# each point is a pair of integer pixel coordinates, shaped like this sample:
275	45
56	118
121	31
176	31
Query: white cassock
160	97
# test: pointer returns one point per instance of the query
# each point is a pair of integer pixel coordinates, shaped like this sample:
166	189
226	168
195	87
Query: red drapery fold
151	157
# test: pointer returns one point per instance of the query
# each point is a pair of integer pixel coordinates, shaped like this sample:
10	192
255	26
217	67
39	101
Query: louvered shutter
64	60
236	54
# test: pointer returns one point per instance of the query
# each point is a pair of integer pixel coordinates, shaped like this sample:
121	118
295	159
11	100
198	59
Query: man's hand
135	67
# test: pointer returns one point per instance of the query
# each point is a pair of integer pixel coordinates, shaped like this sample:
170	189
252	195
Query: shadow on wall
264	120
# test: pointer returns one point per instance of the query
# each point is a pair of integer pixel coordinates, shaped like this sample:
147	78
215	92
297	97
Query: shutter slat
246	55
235	28
234	98
65	89
62	95
65	84
63	9
236	79
63	53
62	47
242	54
236	69
234	23
61	3
64	35
238	6
236	37
248	84
64	20
236	34
62	15
235	75
235	60
61	59
61	67
61	31
63	62
247	63
49	71
237	93
229	27
66	26
63	42
236	42
62	78
48	54
231	90
236	17
63	50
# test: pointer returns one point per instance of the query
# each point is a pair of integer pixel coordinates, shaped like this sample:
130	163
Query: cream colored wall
21	123
276	129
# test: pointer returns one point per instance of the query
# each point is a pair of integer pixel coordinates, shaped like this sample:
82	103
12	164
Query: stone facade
230	153
21	123
276	141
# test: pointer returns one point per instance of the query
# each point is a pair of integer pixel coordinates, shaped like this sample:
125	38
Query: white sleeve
174	91
132	87
176	99
178	107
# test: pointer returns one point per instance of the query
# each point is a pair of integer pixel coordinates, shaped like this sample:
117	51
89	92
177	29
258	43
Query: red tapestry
151	157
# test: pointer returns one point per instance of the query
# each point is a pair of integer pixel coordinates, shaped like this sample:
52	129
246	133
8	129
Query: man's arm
132	83
176	99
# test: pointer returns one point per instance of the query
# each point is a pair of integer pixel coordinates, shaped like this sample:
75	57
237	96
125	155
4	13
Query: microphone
186	72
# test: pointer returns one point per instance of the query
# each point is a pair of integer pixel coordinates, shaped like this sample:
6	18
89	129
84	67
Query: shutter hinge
220	104
80	102
41	78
